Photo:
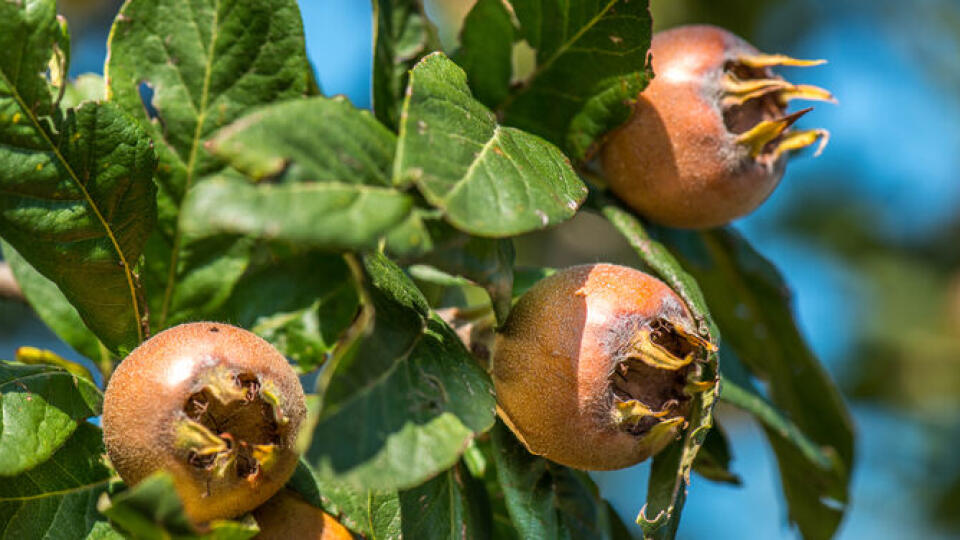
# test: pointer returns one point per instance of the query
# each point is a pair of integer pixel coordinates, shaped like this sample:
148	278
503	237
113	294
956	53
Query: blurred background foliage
868	236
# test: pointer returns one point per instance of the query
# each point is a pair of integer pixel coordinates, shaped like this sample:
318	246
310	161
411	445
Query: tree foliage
203	179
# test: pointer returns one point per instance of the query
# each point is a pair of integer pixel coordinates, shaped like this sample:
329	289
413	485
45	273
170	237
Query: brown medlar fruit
286	516
709	136
213	405
596	365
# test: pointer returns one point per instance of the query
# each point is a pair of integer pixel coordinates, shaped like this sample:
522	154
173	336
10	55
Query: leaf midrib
58	493
561	50
191	162
14	91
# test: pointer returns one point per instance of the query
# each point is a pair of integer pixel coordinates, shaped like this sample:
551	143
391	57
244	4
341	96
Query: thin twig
9	290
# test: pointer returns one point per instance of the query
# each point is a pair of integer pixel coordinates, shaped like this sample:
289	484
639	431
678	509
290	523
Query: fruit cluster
595	367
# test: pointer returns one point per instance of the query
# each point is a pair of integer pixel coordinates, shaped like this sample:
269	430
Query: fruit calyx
754	101
232	425
656	371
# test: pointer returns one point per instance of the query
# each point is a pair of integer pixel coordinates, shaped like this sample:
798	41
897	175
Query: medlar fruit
216	407
286	516
595	366
709	136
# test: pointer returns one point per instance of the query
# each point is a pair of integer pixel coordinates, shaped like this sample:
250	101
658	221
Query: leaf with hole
186	72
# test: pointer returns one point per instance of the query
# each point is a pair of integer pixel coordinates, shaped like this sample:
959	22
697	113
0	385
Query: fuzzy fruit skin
551	371
286	516
675	162
146	394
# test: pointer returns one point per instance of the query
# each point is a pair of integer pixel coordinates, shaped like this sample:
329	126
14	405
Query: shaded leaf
451	505
316	139
713	460
410	396
401	35
301	304
45	500
486	51
413	422
546	500
76	199
591	63
400	313
750	399
40	407
488	179
374	514
52	306
186	71
411	238
484	262
330	216
152	509
751	304
207	270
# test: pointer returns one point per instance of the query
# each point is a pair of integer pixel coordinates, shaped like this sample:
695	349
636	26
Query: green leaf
52	307
152	510
316	139
749	399
86	87
58	497
40	407
331	216
666	494
76	198
485	262
751	304
668	482
486	51
546	500
102	530
374	514
451	505
400	313
713	460
410	397
301	304
591	63
401	35
411	238
208	268
78	206
207	64
488	179
411	423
